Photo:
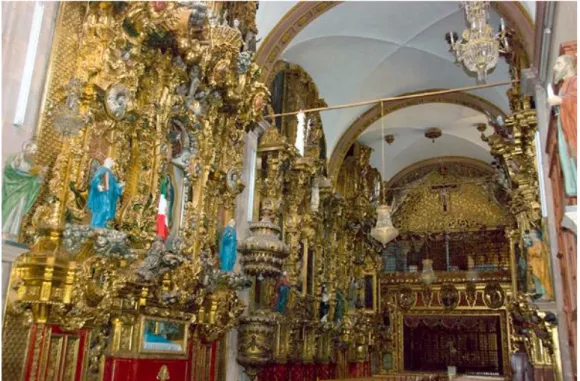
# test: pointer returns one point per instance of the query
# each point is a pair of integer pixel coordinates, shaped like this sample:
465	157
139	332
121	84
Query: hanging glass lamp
384	231
428	276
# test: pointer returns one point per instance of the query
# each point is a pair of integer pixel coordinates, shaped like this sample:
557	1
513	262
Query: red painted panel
274	372
119	369
34	331
309	372
359	369
147	369
213	361
296	371
126	369
324	371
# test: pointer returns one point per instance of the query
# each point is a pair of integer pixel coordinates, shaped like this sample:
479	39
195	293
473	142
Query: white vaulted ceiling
460	137
365	50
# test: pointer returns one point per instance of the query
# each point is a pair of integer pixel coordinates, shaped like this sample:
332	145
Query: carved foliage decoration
406	297
444	199
449	296
493	295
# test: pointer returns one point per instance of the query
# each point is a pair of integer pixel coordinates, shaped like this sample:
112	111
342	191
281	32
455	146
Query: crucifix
444	191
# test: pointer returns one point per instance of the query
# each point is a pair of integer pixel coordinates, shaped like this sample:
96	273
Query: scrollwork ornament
117	98
449	296
493	295
471	293
406	298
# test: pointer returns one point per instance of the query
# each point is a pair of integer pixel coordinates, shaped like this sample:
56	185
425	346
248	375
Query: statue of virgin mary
104	192
228	247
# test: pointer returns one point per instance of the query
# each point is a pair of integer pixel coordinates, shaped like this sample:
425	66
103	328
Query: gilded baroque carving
163	89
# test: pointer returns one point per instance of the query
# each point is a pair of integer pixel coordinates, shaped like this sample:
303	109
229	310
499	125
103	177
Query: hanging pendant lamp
384	231
428	276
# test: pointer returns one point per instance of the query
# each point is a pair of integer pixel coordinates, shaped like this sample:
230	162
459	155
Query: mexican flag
162	220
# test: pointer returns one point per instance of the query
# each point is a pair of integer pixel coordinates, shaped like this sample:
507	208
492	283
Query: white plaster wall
565	26
16	25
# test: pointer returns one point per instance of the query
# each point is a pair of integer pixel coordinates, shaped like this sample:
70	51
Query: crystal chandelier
479	47
384	231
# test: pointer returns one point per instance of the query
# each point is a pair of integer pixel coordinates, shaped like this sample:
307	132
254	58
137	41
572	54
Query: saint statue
21	182
565	109
315	197
352	294
538	262
282	290
104	193
228	248
339	309
324	304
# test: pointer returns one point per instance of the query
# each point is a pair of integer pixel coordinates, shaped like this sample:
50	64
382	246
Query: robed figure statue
539	262
565	109
104	193
339	309
228	247
21	182
324	306
282	290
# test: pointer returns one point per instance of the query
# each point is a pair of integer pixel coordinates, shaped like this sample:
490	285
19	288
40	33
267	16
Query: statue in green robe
21	181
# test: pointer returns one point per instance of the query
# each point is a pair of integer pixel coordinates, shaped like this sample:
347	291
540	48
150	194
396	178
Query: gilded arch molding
466	161
372	115
304	13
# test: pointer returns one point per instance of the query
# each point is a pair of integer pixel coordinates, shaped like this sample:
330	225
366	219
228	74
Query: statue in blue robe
104	193
228	247
282	289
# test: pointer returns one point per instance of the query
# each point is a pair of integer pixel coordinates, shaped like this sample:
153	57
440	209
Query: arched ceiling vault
358	51
280	21
466	108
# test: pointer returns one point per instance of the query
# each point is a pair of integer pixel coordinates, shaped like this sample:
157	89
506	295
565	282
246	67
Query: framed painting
369	290
163	336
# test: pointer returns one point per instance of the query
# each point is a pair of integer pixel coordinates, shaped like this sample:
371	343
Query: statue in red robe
565	107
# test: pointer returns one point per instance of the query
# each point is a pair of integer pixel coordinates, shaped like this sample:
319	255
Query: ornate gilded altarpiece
167	90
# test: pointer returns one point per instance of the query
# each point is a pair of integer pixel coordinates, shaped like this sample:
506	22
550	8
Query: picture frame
163	336
369	290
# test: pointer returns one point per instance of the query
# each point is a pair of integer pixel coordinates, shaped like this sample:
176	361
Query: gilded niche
293	89
447	198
